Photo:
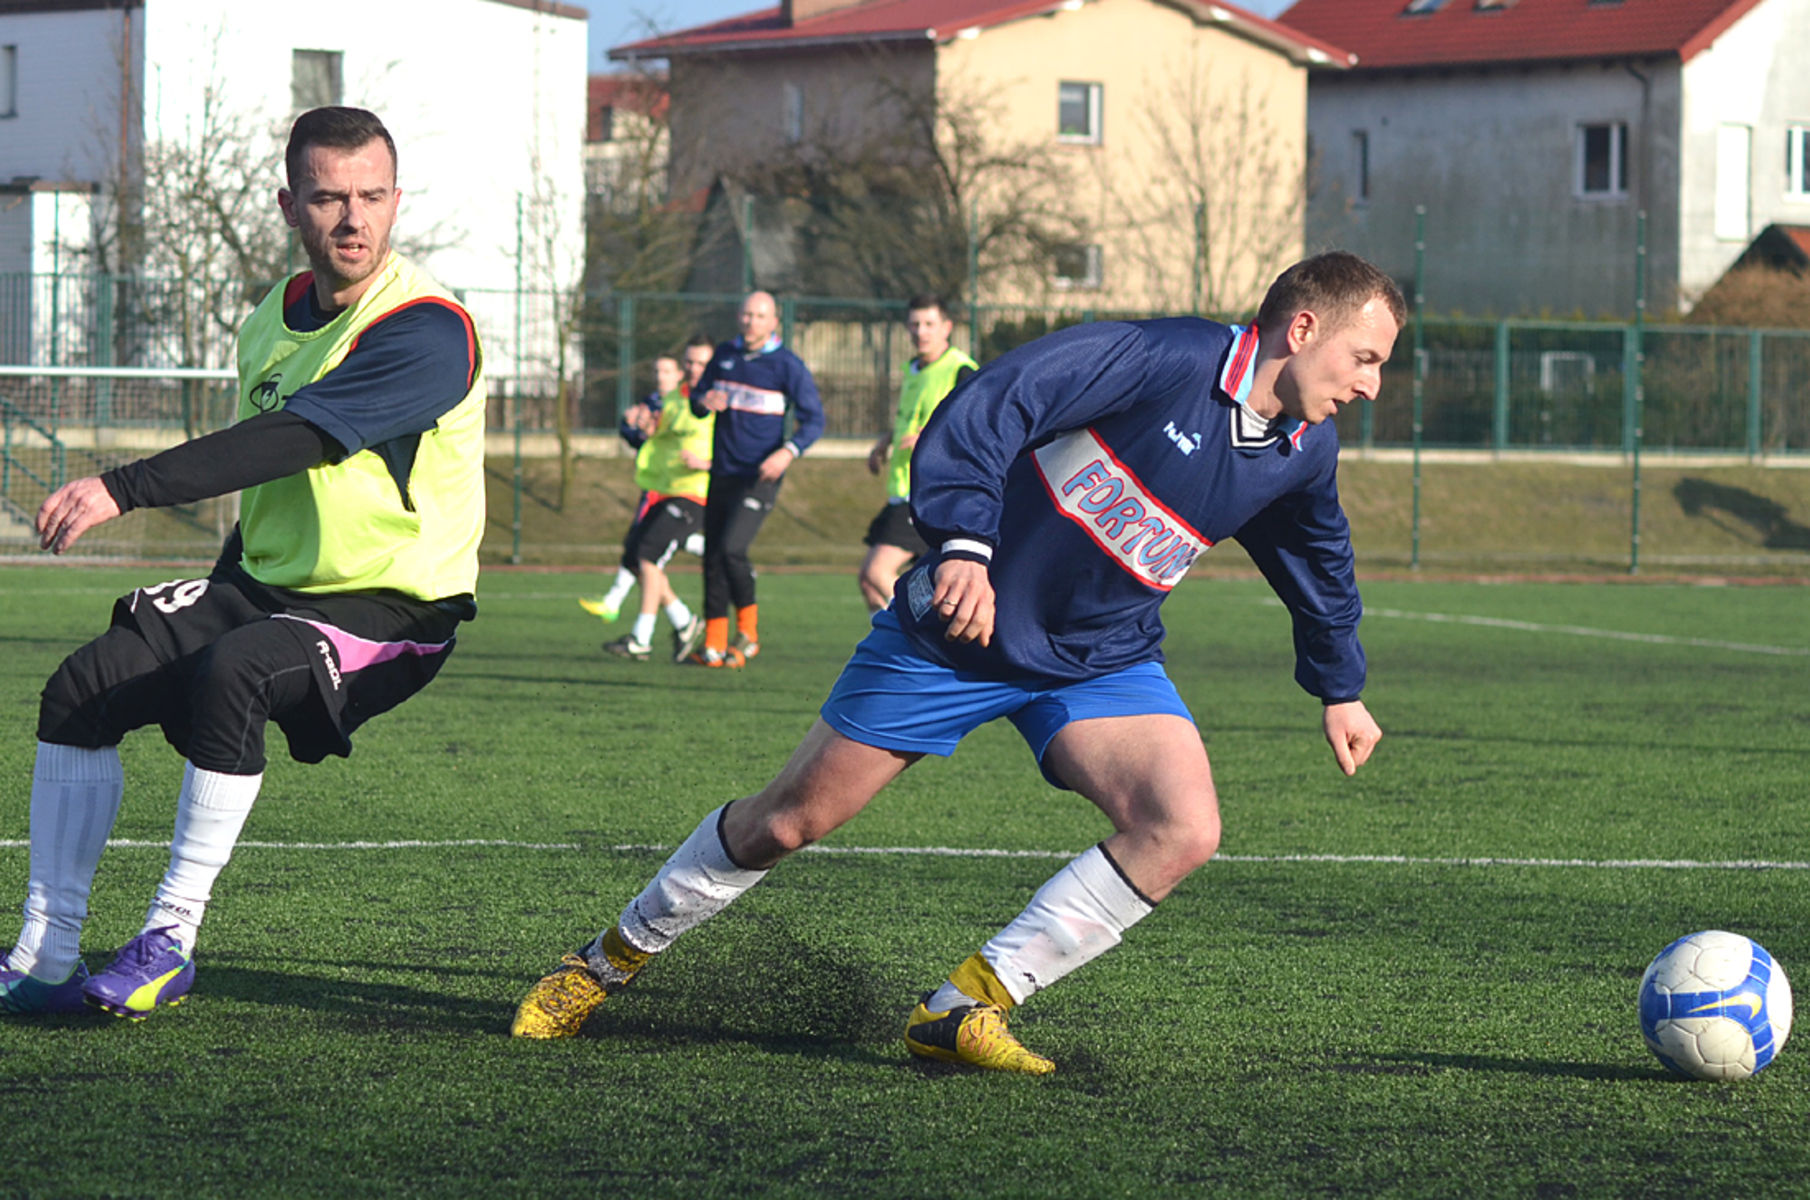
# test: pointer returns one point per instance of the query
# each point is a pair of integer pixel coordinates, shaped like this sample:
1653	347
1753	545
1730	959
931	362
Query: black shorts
211	660
893	527
664	525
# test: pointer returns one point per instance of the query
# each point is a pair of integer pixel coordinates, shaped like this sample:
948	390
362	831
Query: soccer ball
1715	1006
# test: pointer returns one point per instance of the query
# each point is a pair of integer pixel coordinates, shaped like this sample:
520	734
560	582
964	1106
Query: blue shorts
892	697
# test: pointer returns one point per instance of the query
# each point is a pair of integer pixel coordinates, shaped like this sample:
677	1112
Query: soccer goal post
65	422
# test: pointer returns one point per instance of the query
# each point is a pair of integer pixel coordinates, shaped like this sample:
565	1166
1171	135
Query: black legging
733	513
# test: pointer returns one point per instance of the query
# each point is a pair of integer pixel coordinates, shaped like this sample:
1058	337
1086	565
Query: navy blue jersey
763	388
406	371
1091	468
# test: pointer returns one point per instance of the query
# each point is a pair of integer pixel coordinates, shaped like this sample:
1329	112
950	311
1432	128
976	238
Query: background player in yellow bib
359	452
936	367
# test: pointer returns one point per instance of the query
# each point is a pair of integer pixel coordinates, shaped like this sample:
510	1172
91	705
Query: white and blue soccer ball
1715	1005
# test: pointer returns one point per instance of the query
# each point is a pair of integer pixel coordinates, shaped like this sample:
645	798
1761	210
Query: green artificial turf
1416	982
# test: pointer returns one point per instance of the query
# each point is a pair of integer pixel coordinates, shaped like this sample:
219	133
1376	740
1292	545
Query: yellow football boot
559	1004
973	1034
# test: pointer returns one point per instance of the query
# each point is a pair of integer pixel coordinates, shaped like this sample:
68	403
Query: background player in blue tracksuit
752	385
1064	490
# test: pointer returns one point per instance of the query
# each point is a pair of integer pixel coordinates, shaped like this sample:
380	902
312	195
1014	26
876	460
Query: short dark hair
698	339
336	127
1333	286
929	300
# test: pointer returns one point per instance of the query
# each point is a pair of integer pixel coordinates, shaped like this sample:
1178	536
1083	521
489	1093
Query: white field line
1613	635
1387	860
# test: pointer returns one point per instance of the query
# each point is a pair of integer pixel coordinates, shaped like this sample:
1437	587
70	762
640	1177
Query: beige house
1114	155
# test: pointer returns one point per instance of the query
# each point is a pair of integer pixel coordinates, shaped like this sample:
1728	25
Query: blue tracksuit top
1091	467
763	387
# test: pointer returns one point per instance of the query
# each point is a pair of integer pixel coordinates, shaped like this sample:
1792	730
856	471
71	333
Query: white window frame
1732	219
1096	106
9	81
1797	161
1093	276
791	112
1619	167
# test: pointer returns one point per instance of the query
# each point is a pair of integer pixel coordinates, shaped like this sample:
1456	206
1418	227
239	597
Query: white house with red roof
1090	80
481	97
1535	131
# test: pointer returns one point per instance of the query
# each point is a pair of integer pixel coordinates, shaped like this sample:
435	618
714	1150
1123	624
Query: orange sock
747	622
716	634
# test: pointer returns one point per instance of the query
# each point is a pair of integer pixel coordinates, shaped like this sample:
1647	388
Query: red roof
1384	34
938	20
643	94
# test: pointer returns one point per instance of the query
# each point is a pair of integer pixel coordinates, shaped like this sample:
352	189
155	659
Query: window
1602	160
1797	161
1078	113
1416	7
9	81
315	79
1360	166
1494	5
606	123
791	114
1734	209
1077	267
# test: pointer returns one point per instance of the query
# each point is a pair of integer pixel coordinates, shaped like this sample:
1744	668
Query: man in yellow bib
359	455
934	370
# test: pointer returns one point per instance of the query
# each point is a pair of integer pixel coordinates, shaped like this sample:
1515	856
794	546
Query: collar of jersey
766	347
1240	370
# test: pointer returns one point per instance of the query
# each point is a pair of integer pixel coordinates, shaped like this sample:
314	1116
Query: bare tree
1217	213
923	197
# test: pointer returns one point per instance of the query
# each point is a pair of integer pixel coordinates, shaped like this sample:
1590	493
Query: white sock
678	613
696	883
624	581
1080	914
75	796
644	628
209	816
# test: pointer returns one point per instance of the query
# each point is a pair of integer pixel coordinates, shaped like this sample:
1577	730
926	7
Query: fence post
1420	367
625	352
1756	363
788	319
1499	421
1630	384
1640	315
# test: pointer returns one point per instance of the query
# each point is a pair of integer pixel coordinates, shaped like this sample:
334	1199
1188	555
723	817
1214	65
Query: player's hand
693	462
964	599
73	510
1352	733
775	464
876	458
716	400
643	418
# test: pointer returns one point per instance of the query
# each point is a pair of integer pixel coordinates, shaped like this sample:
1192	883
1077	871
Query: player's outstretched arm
964	598
1352	733
73	510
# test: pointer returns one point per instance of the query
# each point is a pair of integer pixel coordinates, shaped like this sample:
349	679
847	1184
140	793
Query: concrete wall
69	70
728	113
1492	156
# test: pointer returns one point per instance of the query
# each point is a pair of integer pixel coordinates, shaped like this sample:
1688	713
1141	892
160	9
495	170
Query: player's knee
69	709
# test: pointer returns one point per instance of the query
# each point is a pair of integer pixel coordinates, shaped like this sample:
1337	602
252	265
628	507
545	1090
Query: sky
614	22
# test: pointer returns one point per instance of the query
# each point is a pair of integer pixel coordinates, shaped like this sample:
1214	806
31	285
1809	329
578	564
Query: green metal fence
1509	385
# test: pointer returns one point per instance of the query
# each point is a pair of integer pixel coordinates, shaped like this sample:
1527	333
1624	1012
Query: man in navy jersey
754	384
359	458
1063	491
